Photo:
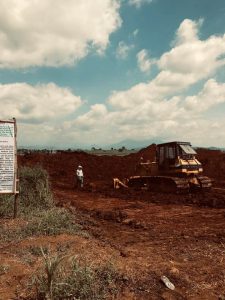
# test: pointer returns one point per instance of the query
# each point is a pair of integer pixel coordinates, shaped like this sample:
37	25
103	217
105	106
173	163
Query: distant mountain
211	148
134	144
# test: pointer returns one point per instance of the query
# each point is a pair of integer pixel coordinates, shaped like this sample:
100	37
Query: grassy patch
35	193
37	208
6	206
51	222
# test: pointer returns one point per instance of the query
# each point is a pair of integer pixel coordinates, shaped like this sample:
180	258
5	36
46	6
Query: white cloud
161	107
188	31
213	93
193	56
36	104
139	3
54	32
88	128
36	135
92	118
181	67
170	118
122	50
163	86
144	63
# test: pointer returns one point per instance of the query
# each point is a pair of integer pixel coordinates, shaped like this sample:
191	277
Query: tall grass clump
34	187
68	278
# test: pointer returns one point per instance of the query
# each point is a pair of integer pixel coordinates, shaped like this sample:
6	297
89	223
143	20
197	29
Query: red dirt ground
146	234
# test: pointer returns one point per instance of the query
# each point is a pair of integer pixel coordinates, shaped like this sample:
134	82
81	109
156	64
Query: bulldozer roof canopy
173	143
185	146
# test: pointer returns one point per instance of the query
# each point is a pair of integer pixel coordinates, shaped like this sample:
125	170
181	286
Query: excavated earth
145	234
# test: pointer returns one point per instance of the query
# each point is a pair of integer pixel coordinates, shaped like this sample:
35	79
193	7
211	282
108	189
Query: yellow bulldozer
175	169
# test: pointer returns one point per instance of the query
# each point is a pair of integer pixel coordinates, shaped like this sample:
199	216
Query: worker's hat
80	167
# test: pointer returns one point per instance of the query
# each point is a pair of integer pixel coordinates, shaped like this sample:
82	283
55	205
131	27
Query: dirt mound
213	163
62	165
147	153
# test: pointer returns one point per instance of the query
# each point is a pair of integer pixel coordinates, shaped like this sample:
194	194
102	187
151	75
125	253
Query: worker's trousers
80	181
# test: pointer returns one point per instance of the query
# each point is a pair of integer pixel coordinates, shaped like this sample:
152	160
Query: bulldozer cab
168	153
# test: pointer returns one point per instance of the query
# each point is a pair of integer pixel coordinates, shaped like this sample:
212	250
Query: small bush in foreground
74	281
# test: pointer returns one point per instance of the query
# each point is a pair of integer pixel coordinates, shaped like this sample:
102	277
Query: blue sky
99	72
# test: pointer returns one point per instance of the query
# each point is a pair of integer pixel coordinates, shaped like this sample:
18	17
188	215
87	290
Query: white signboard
7	157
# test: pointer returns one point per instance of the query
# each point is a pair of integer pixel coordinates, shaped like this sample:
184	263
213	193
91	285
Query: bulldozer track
165	184
169	184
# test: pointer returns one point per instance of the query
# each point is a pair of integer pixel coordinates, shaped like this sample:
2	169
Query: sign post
8	160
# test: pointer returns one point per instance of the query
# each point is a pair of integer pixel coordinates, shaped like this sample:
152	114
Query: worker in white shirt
80	177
